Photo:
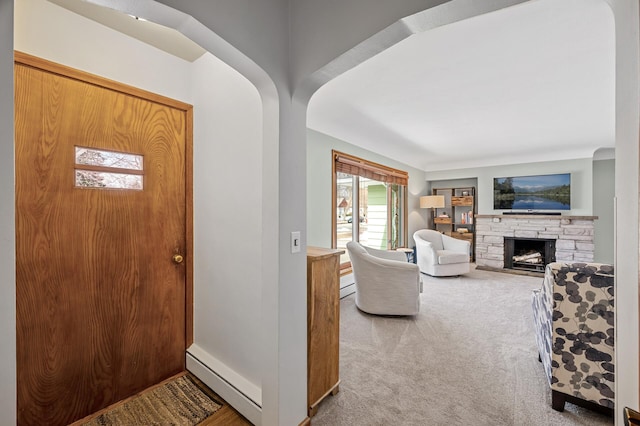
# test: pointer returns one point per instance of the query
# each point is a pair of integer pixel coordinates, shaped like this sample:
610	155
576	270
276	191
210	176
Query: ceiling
533	82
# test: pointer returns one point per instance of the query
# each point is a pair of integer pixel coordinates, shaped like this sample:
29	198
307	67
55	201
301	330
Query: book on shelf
466	218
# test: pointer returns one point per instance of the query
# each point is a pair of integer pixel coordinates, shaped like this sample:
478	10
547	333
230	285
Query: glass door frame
403	193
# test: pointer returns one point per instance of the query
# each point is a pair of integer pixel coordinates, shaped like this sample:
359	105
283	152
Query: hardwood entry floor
226	416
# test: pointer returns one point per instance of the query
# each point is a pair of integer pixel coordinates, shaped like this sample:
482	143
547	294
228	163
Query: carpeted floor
468	358
178	402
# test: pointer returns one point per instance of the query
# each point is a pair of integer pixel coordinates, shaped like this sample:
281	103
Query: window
107	169
369	204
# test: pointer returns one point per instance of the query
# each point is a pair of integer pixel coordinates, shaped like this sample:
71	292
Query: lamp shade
432	201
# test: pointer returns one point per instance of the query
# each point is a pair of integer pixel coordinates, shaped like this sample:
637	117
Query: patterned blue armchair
574	320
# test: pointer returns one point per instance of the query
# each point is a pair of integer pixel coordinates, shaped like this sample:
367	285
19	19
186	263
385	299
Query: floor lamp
432	202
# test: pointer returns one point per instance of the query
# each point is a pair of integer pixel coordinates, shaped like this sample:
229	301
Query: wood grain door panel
100	304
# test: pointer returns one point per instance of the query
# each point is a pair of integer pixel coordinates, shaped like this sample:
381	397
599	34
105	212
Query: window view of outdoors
396	201
108	160
344	225
366	223
369	206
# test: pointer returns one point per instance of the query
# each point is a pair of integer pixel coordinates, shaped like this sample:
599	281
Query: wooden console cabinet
323	324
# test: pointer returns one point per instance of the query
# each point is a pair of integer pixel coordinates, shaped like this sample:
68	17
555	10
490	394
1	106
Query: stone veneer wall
573	235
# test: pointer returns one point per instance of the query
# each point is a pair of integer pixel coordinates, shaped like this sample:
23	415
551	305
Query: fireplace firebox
528	254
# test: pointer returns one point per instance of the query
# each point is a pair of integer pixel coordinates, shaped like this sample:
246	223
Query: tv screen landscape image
542	192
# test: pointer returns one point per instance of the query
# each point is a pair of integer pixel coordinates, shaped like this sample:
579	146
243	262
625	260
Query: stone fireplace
572	238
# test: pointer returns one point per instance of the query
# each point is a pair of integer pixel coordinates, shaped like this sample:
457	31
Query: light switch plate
295	242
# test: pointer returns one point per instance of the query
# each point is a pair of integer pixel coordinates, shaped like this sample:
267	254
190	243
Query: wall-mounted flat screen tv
542	192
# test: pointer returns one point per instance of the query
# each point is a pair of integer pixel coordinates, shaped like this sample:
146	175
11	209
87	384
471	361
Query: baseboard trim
347	285
306	422
347	290
226	390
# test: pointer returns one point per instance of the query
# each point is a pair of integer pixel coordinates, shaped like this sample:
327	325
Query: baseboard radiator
244	397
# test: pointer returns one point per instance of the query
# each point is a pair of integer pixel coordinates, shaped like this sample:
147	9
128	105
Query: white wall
604	172
51	32
7	222
227	173
581	181
319	146
627	25
227	222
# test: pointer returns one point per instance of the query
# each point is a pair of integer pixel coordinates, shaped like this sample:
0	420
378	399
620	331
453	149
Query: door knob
177	258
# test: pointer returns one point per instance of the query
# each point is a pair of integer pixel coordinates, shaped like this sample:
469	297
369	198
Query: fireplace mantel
534	216
573	235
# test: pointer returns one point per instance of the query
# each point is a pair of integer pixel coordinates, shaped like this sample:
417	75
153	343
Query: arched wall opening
318	214
626	149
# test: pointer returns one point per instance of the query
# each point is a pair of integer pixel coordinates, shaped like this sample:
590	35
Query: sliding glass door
372	199
345	229
369	206
397	219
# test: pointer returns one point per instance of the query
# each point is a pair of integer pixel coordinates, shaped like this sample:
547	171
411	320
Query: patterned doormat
179	402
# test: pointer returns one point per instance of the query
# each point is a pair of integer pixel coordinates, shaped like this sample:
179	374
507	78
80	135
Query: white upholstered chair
441	255
386	284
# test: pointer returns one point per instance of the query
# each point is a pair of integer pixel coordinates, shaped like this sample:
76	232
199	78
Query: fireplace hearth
528	254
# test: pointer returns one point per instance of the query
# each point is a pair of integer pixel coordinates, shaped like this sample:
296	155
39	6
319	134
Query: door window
96	168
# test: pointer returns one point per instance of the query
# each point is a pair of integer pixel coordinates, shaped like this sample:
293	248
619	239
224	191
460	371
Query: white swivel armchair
441	255
386	284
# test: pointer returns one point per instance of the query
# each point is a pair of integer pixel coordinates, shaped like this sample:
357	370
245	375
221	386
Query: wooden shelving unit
460	211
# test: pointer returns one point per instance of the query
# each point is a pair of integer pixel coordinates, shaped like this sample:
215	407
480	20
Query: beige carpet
178	402
468	358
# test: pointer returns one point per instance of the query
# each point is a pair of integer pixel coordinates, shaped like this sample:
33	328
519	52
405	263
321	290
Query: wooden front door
101	206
